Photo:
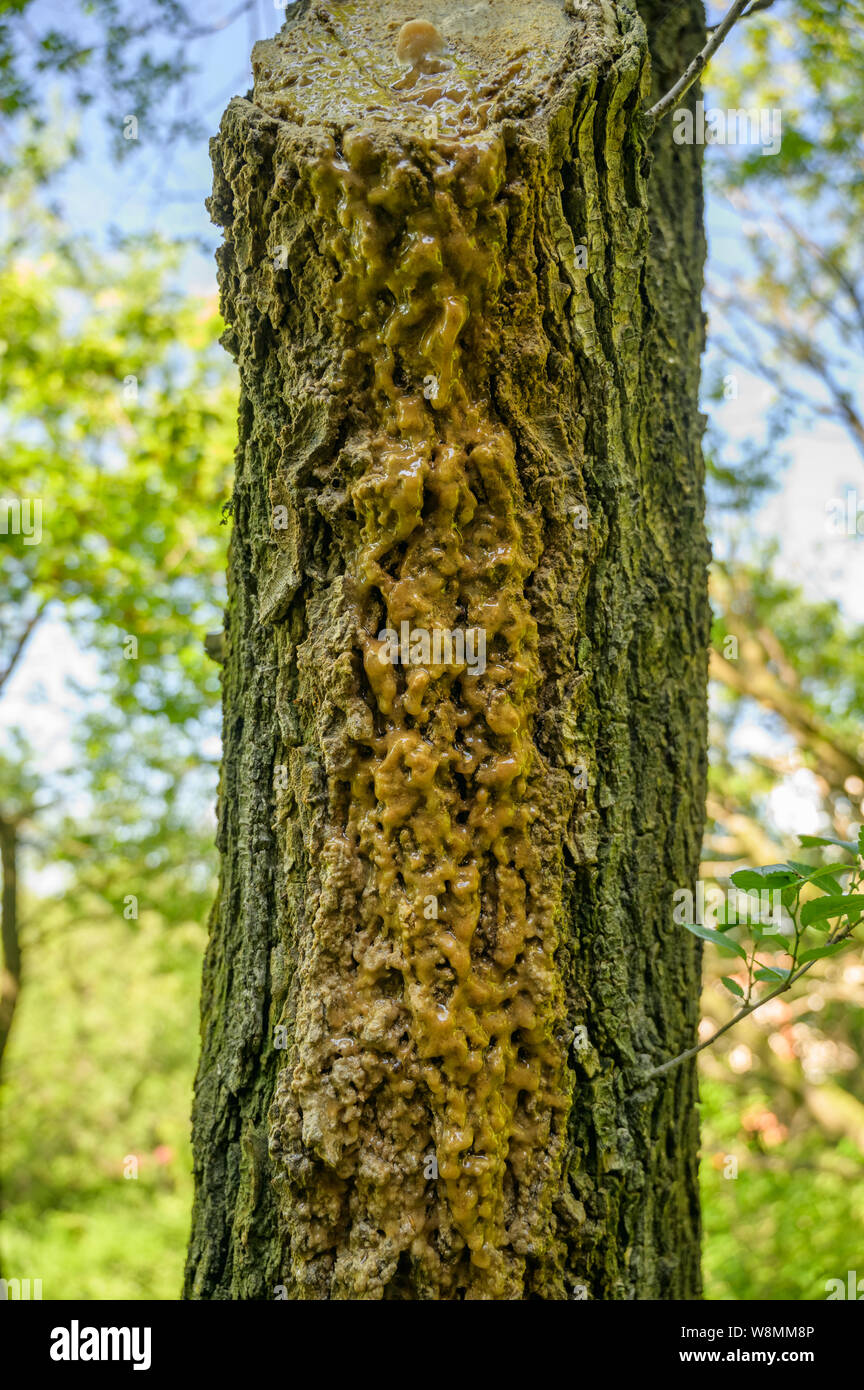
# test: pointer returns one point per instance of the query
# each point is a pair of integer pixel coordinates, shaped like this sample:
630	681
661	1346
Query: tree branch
21	642
759	683
697	66
747	1010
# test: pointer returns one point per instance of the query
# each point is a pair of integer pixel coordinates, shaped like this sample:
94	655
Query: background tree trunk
466	310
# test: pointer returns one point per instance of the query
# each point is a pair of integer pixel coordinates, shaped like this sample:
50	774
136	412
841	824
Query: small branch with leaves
834	903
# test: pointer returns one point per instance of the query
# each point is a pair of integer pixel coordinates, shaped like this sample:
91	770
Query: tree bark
465	304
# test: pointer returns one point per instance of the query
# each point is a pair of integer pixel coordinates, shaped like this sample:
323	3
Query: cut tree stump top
447	68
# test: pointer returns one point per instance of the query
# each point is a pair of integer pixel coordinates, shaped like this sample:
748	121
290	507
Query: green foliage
794	317
782	1173
786	886
805	57
118	408
119	57
99	1069
791	1218
117	411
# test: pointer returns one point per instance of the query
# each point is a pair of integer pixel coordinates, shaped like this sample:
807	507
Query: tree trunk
465	665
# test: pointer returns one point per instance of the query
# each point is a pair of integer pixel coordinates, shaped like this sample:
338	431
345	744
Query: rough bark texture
447	885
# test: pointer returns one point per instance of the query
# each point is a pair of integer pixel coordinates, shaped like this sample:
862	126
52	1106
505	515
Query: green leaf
809	841
822	908
770	876
827	883
818	952
721	942
776	943
772	972
746	878
809	873
733	987
826	877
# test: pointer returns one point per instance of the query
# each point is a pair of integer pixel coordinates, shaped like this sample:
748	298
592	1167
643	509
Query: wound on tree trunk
465	663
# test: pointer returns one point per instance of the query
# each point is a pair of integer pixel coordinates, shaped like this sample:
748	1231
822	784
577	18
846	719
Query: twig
746	1011
21	642
698	64
756	5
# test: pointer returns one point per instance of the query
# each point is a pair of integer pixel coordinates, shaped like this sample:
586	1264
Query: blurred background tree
118	408
784	1093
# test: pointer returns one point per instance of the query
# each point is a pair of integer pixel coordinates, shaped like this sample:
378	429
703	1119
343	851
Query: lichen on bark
453	349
